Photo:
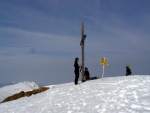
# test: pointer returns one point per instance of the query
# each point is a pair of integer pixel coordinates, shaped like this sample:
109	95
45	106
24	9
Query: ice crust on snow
124	94
16	88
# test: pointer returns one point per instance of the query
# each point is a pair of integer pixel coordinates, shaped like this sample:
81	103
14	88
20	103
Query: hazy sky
39	39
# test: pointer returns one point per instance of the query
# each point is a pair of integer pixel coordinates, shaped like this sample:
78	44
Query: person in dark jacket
76	70
86	74
128	71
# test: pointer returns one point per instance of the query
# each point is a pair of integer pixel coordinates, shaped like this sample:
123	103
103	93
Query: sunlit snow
124	94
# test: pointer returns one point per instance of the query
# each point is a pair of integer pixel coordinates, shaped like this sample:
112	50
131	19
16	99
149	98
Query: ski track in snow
108	95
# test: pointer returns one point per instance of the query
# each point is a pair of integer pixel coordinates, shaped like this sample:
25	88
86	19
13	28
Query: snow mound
16	88
126	94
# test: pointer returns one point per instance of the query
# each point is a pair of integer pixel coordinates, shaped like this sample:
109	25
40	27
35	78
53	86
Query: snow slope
126	94
16	88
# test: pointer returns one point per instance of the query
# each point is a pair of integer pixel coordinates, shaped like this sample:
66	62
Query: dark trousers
76	77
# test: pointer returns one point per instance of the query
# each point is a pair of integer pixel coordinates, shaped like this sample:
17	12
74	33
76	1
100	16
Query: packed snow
16	88
124	94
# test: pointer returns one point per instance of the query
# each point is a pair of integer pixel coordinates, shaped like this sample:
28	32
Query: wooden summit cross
83	36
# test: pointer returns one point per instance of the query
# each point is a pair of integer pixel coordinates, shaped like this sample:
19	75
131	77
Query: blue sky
39	39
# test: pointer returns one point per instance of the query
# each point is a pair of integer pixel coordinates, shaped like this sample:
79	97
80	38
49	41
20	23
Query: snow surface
126	94
16	88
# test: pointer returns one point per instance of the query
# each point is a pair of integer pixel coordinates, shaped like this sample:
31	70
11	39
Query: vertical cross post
83	36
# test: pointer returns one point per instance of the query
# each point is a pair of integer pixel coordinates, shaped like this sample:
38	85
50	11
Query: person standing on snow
76	70
128	71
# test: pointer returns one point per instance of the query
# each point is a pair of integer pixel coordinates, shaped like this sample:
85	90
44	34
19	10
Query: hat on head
76	58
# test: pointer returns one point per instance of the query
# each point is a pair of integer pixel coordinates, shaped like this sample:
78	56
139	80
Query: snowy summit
126	94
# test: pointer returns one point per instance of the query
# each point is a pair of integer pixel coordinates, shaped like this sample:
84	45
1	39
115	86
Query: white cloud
40	41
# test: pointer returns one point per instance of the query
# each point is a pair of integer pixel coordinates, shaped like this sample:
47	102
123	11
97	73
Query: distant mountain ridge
6	84
16	88
11	83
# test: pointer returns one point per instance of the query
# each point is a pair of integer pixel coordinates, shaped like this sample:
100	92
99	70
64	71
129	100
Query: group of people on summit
87	74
